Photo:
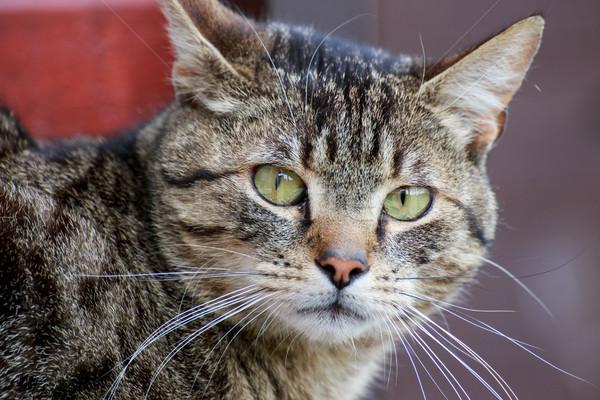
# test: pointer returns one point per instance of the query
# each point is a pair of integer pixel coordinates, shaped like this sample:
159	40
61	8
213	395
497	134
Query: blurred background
94	66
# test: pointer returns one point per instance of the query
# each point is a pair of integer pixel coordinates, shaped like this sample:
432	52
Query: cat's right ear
212	47
471	90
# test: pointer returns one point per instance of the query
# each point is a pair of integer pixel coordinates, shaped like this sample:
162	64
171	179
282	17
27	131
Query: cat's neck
304	369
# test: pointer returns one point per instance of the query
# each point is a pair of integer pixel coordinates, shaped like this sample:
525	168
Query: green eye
279	185
407	203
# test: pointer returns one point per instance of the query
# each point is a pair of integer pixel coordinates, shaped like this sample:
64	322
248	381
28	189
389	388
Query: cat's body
103	242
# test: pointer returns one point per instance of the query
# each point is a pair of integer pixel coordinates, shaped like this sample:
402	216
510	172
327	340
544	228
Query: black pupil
278	180
403	196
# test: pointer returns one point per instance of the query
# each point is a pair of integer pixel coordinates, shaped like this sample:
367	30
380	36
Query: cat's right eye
408	203
279	185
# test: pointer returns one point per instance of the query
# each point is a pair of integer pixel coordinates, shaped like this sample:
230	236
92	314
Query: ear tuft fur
209	43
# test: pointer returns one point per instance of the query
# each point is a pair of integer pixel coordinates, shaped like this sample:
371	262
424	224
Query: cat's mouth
332	312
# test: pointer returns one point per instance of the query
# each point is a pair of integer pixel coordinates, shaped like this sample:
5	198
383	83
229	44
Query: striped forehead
348	141
349	123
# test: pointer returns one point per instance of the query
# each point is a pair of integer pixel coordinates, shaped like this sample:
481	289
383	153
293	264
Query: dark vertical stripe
362	100
331	146
475	228
306	151
376	145
347	82
306	221
475	224
397	162
387	103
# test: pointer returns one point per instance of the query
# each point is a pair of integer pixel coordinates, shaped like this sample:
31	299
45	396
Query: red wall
85	66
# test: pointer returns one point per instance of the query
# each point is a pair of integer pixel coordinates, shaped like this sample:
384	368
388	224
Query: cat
303	204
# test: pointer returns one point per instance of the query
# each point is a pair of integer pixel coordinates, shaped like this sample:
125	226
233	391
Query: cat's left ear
472	89
214	52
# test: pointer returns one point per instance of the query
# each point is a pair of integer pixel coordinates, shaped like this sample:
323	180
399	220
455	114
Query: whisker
355	352
446	324
135	34
204	308
288	349
219	249
287	100
148	274
281	342
518	282
467	352
408	352
266	324
415	102
437	328
390	341
518	343
248	302
444	370
224	274
424	60
388	322
427	277
230	341
179	321
188	285
569	261
426	369
463	316
454	346
469	30
437	302
384	359
195	276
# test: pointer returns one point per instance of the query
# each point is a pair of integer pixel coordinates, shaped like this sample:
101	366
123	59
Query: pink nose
341	271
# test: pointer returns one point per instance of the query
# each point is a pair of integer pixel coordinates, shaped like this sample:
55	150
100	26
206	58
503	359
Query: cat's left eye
408	203
279	185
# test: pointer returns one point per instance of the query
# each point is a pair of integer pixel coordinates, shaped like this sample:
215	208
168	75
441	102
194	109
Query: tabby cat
302	204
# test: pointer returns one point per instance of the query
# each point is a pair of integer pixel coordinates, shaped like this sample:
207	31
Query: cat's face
344	194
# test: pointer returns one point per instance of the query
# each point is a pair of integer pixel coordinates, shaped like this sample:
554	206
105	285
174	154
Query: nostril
329	269
341	271
355	272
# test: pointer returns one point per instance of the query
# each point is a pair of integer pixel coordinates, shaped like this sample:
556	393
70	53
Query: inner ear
486	133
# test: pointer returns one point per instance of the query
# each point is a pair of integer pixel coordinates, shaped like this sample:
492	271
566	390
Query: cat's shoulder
20	192
13	137
52	193
16	196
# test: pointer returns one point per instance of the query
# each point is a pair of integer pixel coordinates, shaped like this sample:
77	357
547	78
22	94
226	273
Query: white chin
330	325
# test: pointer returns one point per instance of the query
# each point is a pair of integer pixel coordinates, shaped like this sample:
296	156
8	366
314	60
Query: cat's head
340	188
